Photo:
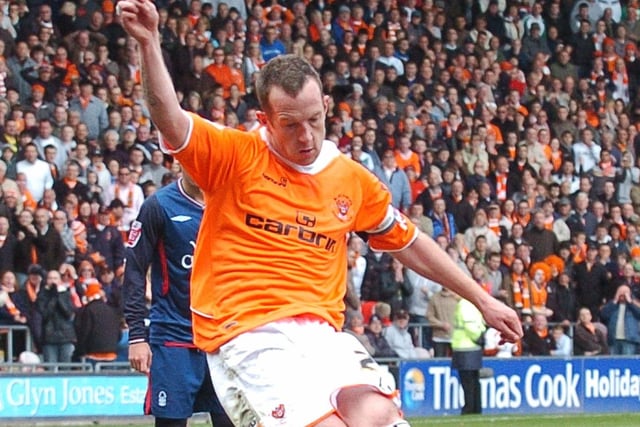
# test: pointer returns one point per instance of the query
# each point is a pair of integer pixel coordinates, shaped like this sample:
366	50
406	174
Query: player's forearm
160	95
426	258
133	293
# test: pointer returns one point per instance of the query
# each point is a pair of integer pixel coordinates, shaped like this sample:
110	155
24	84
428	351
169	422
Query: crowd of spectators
506	129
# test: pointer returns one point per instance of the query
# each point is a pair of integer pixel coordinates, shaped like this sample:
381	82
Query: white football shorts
287	373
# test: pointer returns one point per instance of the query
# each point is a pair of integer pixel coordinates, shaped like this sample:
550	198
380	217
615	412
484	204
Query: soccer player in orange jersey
270	270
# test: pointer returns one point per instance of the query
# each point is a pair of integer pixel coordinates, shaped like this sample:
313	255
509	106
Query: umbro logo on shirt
181	218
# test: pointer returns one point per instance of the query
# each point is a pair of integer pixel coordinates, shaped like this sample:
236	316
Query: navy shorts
180	384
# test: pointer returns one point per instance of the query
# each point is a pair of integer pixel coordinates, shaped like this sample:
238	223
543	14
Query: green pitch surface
581	420
567	420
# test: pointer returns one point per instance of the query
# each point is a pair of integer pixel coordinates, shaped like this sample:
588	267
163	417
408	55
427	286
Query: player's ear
325	101
262	117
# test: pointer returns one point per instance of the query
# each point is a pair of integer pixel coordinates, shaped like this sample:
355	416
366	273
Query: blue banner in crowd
526	385
70	395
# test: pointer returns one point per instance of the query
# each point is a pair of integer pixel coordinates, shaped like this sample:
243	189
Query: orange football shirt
273	238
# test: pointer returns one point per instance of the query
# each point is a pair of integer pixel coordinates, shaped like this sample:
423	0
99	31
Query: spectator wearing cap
533	44
99	167
42	108
400	340
341	24
374	331
416	29
129	135
92	110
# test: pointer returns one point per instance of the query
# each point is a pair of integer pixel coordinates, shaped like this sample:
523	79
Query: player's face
297	124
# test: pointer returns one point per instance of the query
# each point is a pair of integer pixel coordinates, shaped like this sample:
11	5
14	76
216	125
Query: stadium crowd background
507	130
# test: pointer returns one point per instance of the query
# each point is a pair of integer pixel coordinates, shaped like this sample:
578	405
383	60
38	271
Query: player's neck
193	191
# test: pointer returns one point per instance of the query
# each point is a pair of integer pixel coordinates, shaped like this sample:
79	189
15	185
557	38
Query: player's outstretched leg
362	406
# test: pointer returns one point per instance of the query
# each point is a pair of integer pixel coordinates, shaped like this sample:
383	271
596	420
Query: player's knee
170	422
363	406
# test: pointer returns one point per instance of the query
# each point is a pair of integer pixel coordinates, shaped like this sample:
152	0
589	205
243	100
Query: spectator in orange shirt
405	156
64	67
220	71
